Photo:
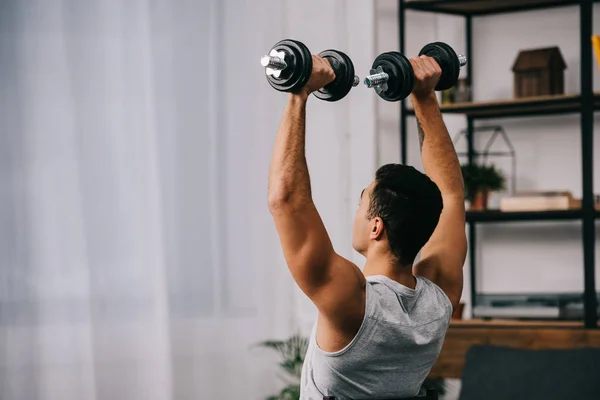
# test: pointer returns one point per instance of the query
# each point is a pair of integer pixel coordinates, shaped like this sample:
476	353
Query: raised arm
443	257
333	283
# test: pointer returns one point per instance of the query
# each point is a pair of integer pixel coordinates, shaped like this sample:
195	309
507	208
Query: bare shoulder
450	280
341	305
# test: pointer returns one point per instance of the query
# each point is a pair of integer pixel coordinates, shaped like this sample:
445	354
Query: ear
377	229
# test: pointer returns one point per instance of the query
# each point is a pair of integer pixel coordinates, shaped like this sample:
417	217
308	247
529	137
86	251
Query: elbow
452	190
287	200
454	197
280	196
458	188
278	199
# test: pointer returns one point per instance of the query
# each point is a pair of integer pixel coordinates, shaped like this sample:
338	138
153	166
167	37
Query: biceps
443	269
449	236
306	245
443	257
341	297
334	284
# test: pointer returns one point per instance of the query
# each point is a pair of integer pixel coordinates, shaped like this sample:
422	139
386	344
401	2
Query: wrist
299	96
424	100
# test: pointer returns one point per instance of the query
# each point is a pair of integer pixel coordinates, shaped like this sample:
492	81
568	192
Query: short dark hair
410	204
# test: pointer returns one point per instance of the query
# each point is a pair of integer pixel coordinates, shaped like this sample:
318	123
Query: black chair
502	373
426	394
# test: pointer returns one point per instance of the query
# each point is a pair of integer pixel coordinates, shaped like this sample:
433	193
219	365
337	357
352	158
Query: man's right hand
322	74
427	75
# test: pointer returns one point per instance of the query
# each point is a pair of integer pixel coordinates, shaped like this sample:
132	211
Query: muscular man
380	330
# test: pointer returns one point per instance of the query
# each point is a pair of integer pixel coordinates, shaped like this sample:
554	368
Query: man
378	331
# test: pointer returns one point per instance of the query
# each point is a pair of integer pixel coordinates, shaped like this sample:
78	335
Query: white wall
515	257
139	259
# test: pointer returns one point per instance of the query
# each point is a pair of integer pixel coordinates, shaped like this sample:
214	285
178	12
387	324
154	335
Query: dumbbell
289	65
393	78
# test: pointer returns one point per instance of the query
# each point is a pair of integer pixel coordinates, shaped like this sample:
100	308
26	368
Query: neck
384	264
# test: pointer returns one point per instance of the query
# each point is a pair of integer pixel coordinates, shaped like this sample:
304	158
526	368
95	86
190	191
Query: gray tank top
393	351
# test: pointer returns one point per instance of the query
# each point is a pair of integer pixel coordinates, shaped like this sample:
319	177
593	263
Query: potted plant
291	352
480	180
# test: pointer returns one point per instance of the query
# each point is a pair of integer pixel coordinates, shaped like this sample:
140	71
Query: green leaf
293	367
291	392
293	348
292	352
479	177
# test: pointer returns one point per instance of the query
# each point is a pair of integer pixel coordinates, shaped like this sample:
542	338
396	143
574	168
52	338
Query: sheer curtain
137	257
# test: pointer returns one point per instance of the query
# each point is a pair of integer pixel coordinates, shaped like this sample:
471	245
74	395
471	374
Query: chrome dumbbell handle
274	63
377	80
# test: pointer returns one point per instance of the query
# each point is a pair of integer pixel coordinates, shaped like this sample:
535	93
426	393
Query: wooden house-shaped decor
539	72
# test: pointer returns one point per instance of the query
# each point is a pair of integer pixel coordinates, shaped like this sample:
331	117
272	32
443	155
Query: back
392	353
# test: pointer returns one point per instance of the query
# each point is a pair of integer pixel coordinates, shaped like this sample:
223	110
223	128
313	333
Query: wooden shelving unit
503	216
543	105
512	324
500	216
484	7
583	104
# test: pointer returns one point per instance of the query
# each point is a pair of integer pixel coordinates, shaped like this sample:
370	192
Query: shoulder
435	295
438	272
387	300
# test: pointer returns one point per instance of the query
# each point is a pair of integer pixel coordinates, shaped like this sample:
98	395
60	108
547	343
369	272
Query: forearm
438	155
289	181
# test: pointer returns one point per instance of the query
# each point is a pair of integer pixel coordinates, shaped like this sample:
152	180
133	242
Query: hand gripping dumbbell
393	78
289	65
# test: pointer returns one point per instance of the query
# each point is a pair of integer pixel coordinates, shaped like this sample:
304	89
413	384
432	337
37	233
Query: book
540	201
596	46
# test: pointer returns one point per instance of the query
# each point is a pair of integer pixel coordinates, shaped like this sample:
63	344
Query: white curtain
138	259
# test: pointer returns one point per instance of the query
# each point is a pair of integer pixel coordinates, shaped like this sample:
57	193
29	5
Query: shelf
500	216
508	323
542	105
484	7
459	338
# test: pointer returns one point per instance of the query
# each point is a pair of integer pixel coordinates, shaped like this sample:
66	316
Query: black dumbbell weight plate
299	66
401	76
448	61
344	76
